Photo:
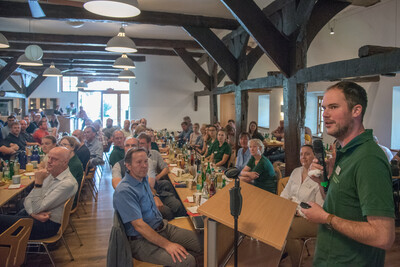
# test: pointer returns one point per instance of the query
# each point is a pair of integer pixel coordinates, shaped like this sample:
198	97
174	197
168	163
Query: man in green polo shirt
118	152
357	218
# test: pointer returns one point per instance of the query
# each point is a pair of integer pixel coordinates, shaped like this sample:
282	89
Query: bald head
58	160
78	134
130	142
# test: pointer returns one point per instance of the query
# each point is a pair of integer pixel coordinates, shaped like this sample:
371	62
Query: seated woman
253	131
259	169
220	151
243	154
195	135
48	143
75	165
300	188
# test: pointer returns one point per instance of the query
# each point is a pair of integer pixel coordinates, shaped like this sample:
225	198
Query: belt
159	228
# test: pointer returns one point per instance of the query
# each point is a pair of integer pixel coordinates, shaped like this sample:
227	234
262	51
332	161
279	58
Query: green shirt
220	151
116	155
267	178
360	186
75	167
209	145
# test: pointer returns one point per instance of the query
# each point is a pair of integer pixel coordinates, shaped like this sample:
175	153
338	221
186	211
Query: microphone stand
236	206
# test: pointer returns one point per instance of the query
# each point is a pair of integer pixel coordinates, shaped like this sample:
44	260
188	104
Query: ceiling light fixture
33	52
124	62
3	41
81	85
126	74
331	26
113	8
24	61
121	43
52	71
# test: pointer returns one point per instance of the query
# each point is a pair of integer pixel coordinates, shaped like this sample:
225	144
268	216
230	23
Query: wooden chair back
65	216
79	195
278	173
282	183
13	246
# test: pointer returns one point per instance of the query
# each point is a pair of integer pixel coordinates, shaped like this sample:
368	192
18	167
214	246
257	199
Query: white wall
163	93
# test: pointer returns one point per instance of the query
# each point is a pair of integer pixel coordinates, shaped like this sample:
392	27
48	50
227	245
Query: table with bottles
22	164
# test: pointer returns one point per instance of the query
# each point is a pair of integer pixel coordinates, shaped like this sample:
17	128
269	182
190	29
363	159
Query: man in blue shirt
152	238
186	132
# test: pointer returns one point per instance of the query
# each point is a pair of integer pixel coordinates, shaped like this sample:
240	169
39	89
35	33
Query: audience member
243	154
15	135
259	169
36	119
279	132
82	152
54	123
195	136
109	130
153	145
143	122
387	151
184	136
7	128
25	135
118	152
48	143
75	165
31	126
126	130
220	151
218	125
152	239
94	146
41	132
231	136
212	134
83	116
134	124
58	110
45	203
301	188
139	129
253	131
189	122
71	109
232	124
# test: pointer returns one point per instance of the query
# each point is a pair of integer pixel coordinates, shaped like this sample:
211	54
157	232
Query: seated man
41	132
7	128
15	135
184	136
118	151
94	145
164	197
45	203
279	132
151	238
108	132
24	133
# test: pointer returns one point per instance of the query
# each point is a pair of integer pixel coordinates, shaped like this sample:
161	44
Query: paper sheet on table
29	174
173	164
175	170
190	199
192	209
14	186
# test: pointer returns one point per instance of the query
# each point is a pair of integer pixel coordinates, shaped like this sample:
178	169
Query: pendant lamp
52	71
33	52
81	85
3	41
113	8
24	61
124	62
121	43
126	74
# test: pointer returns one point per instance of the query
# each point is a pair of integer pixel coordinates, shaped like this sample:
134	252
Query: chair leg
67	247
76	232
48	253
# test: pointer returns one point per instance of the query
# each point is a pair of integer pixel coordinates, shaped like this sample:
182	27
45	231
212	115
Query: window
320	117
395	118
263	111
68	84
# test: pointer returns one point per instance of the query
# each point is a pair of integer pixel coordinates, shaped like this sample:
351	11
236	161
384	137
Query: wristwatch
329	220
38	185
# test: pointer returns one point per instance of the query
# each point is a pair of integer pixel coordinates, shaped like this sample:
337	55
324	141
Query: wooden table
271	144
7	194
183	193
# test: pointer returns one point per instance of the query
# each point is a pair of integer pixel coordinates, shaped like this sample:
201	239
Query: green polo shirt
116	155
209	145
220	151
360	186
76	169
267	178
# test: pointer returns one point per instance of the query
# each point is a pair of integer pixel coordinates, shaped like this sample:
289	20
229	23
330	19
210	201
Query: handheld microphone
320	155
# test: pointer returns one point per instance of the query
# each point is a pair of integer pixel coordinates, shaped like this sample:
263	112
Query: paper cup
16	179
197	198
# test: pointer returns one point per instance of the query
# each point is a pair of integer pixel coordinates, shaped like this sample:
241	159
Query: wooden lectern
265	217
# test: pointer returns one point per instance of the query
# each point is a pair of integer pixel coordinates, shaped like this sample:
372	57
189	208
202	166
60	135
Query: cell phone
304	205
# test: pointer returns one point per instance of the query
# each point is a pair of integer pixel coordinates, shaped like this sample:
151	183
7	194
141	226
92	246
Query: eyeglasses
65	144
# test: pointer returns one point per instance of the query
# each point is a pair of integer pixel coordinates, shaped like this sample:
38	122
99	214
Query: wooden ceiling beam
270	40
70	56
195	67
15	85
86	40
216	49
34	84
69	13
8	69
94	50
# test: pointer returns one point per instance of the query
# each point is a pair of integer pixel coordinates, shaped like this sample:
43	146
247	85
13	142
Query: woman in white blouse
300	188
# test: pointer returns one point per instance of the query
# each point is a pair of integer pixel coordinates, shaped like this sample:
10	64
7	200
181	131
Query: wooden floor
94	229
